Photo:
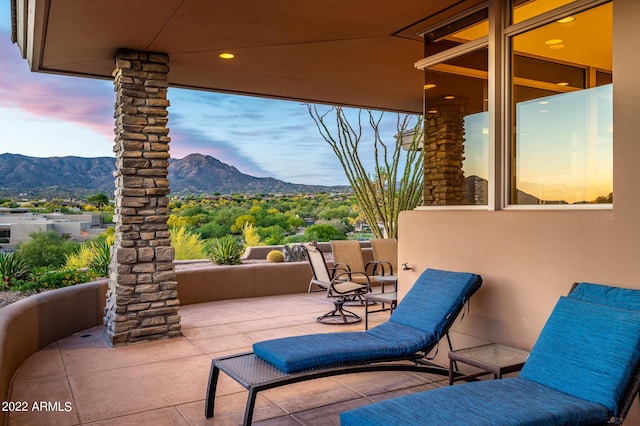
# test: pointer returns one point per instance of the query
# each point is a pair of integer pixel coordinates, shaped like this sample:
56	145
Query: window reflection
457	131
562	110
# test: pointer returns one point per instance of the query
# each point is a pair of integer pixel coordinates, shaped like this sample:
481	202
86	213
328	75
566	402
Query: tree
46	249
396	182
99	200
323	232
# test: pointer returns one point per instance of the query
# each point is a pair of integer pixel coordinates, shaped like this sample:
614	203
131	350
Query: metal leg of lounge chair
251	403
211	391
455	363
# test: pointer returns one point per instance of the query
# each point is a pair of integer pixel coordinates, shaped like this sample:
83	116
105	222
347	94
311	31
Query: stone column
142	301
443	154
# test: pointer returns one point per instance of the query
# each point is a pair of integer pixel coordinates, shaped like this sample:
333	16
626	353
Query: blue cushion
416	324
587	350
433	298
487	403
598	293
297	353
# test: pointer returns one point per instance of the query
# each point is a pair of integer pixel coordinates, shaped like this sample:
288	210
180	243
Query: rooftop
164	382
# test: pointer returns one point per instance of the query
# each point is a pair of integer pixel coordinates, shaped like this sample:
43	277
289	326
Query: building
478	70
16	224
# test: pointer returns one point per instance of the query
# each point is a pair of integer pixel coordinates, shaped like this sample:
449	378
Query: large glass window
457	131
561	93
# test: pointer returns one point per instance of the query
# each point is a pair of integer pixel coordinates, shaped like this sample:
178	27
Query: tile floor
82	380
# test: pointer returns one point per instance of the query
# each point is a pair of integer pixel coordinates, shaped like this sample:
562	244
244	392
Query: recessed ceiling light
432	111
449	97
563	83
429	86
566	20
543	102
556	46
227	55
543	110
553	41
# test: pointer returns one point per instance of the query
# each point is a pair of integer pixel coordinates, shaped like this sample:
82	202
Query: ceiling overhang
357	52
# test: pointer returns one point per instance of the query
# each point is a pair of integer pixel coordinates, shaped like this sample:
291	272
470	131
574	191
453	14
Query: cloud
85	102
185	141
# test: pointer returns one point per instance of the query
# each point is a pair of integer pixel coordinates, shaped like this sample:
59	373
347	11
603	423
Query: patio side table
492	358
390	298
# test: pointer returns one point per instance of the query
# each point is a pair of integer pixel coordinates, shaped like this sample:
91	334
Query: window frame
498	43
507	34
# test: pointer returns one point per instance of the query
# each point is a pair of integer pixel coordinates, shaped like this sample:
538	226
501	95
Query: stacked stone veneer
444	154
142	301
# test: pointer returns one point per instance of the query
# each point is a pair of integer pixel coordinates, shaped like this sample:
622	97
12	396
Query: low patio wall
31	324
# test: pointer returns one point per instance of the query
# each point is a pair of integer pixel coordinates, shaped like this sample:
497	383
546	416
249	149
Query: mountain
77	176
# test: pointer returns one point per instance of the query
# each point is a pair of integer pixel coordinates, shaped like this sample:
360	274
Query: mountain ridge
195	174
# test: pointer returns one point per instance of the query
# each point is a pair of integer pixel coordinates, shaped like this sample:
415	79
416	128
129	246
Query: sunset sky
51	115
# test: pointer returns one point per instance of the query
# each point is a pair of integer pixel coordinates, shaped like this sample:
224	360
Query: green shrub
12	267
186	245
226	250
47	279
250	235
95	255
79	259
46	249
275	256
323	232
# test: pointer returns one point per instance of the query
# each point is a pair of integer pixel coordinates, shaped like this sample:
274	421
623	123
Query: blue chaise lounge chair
583	370
414	329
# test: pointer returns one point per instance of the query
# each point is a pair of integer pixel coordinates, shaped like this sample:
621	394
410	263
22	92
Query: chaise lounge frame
257	375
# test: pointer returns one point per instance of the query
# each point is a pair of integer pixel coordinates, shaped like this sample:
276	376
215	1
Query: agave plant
12	267
101	257
226	250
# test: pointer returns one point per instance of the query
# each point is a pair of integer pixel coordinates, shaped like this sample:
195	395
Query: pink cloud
82	101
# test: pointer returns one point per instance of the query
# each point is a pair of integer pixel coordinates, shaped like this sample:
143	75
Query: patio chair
424	315
584	369
385	254
347	256
338	285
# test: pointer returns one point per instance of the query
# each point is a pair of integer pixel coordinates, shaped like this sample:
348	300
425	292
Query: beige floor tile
125	391
214	313
93	355
47	401
229	410
380	382
233	343
400	392
210	331
275	333
307	395
45	363
163	417
328	415
164	382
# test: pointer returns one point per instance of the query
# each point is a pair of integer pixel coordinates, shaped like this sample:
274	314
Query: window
561	110
547	137
457	131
